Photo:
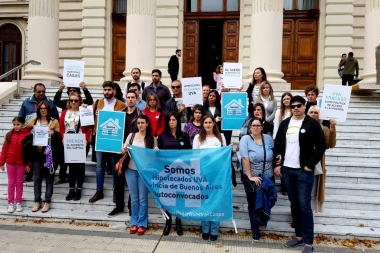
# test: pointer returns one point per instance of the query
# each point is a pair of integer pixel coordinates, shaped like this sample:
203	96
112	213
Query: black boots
78	194
178	226
98	195
71	195
168	225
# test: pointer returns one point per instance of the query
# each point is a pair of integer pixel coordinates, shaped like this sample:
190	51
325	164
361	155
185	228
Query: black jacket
63	103
171	106
250	98
162	92
173	65
312	142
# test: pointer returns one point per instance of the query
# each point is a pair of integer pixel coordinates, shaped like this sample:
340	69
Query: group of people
288	142
348	69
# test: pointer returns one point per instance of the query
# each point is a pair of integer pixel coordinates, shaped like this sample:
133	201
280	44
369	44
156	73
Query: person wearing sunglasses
61	103
300	144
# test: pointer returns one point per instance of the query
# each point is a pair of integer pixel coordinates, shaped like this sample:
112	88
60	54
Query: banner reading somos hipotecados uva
190	184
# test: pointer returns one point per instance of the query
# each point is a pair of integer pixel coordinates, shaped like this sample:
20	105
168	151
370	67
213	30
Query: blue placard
110	131
190	184
234	110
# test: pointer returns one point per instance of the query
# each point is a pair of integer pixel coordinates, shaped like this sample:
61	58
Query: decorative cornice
267	5
141	7
44	8
372	5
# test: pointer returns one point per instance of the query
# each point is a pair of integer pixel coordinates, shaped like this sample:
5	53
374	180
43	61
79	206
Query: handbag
124	160
318	169
49	157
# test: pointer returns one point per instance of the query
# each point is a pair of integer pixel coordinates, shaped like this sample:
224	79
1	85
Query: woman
218	78
283	112
137	189
257	156
70	124
258	77
155	114
318	193
192	127
117	93
259	112
209	137
266	97
43	118
173	138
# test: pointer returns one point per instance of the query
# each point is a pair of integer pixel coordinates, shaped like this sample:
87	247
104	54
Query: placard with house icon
110	131
234	110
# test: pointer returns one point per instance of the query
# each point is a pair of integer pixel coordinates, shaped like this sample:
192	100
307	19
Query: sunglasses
72	90
296	106
255	126
176	87
74	100
40	91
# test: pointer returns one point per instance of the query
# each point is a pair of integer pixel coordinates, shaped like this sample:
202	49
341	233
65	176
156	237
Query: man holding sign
176	104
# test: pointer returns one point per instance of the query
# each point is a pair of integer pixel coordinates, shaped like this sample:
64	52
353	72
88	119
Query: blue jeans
299	184
139	198
251	198
100	168
210	225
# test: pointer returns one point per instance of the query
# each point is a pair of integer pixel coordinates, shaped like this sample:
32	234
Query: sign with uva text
73	73
192	91
74	148
335	101
110	131
232	75
234	110
190	184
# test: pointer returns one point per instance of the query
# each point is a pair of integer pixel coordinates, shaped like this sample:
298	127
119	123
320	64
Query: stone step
352	157
351	178
359	167
359	141
354	149
350	202
364	190
356	133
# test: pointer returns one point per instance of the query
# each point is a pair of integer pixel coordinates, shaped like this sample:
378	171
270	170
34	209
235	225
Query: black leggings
76	173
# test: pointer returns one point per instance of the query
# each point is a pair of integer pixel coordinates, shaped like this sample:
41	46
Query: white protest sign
232	75
335	101
192	91
86	116
73	73
74	148
40	136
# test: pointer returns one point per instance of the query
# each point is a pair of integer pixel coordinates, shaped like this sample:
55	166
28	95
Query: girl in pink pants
11	154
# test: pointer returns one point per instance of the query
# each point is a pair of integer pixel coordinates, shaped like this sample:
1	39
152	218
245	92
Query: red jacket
85	129
157	121
11	152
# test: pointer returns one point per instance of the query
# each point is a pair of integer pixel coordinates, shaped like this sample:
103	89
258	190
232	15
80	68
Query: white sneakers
19	207
11	208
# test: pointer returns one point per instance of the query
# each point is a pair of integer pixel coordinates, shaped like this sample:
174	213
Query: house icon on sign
110	127
234	107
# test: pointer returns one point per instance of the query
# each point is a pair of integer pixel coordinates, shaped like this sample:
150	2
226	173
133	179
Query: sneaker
11	208
119	226
294	243
114	212
19	207
256	237
308	249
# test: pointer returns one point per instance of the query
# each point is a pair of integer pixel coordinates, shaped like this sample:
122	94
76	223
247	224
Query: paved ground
43	236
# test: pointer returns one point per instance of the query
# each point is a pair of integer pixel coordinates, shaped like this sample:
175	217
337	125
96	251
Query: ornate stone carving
141	7
267	5
44	8
372	5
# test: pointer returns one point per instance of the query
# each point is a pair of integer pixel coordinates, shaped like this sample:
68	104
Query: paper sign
74	148
232	75
40	136
86	116
73	73
110	131
192	91
335	101
234	110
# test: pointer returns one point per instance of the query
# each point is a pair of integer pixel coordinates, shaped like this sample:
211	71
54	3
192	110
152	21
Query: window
300	4
211	5
120	6
10	50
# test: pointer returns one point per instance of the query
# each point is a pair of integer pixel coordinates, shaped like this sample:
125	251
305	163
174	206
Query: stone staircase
352	189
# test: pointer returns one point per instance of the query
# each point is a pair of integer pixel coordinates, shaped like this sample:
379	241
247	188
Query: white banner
40	136
335	101
86	116
73	73
75	148
192	91
232	75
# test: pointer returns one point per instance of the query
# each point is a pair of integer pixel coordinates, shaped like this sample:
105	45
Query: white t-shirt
109	106
210	142
292	152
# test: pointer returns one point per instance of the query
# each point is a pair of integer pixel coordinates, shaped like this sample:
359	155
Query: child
11	154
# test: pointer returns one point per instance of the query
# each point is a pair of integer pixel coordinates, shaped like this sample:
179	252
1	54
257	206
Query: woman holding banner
70	124
192	127
137	189
173	138
209	137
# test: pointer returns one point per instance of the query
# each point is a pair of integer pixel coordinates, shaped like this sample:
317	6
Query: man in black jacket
175	104
173	65
162	92
300	142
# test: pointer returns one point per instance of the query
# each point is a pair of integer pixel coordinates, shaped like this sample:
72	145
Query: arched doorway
10	50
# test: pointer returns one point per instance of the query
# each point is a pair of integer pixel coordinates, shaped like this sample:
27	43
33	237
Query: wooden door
231	41
10	50
299	51
119	31
190	48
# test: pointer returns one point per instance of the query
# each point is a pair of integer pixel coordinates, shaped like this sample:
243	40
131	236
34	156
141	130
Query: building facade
297	42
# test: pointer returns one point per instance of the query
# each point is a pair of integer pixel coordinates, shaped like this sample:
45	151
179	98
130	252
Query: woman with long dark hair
258	77
192	127
117	93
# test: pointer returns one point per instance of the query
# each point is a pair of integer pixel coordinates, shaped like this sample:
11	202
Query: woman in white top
266	97
137	189
283	112
209	137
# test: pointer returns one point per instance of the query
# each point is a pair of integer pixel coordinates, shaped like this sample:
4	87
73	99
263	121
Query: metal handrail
18	74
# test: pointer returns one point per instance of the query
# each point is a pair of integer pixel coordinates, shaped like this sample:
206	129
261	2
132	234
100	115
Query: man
205	92
131	113
300	144
137	89
173	65
175	104
351	69
157	87
340	68
135	73
29	106
108	103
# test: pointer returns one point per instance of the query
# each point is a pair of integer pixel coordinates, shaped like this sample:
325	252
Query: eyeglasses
74	100
256	126
176	87
40	91
42	108
296	106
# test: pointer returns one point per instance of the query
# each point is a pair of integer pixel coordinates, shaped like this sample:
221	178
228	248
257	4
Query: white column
266	39
141	39
43	38
371	40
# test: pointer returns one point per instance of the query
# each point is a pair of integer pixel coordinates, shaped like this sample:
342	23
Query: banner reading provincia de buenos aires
190	184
